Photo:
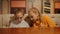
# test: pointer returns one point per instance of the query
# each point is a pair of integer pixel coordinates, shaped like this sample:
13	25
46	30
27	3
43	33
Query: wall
33	3
5	7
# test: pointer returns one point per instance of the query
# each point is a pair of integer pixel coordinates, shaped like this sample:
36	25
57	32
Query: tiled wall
55	18
6	18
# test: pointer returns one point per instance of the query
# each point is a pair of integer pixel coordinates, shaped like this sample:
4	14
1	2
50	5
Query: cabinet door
0	21
0	6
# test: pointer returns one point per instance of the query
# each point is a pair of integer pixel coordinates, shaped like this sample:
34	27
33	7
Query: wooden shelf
49	5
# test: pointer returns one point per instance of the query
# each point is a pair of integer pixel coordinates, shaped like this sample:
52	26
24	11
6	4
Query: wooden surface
30	30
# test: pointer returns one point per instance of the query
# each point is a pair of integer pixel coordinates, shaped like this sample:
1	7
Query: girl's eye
34	11
31	16
20	17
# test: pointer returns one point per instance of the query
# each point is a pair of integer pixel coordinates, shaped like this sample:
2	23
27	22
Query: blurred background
50	8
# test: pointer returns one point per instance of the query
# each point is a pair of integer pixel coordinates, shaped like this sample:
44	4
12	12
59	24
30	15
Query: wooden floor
30	30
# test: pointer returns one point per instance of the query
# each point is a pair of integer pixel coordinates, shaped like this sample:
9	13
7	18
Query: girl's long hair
39	14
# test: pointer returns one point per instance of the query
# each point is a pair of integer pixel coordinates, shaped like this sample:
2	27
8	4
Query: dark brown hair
18	11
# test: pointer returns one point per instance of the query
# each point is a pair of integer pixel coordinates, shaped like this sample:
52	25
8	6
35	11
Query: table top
30	30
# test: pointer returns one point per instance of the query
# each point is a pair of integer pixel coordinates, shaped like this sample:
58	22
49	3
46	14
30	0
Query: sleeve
27	25
11	25
50	22
24	24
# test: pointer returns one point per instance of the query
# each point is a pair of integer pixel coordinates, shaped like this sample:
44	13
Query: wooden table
30	30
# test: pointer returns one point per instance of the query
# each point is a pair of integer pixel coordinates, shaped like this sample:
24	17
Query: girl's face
34	13
19	16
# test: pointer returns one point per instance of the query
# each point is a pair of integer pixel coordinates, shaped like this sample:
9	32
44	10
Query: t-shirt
23	24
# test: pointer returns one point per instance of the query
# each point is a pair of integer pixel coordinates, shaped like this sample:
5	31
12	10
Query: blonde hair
37	11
